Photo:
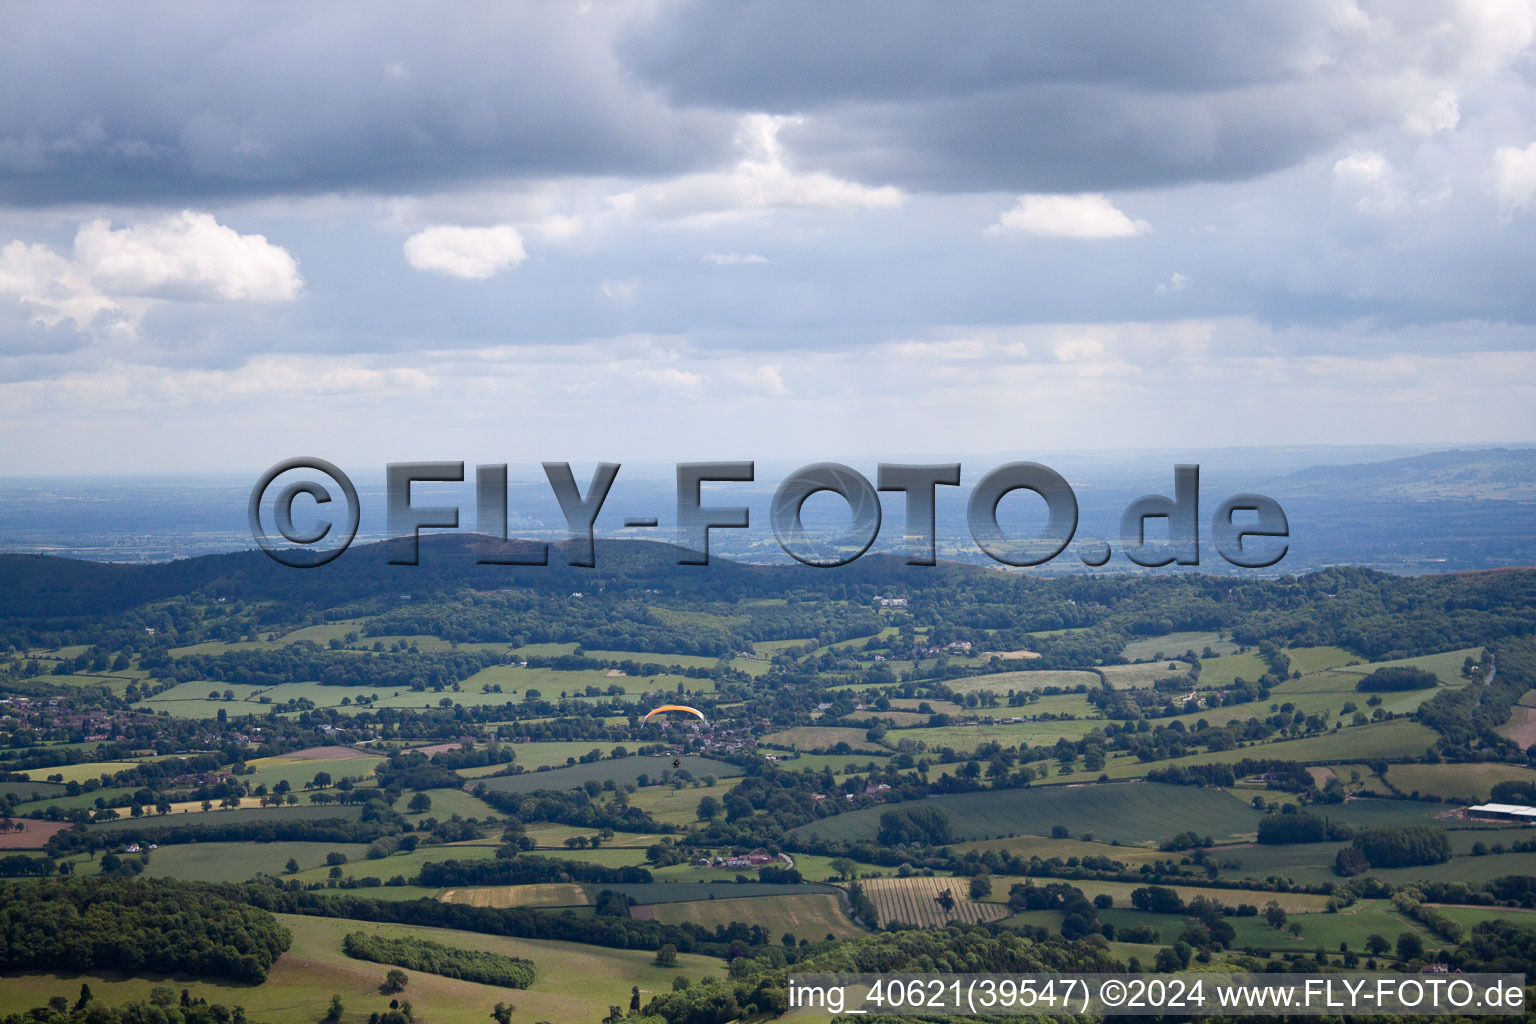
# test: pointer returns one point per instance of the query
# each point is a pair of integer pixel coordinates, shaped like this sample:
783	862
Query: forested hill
638	589
39	587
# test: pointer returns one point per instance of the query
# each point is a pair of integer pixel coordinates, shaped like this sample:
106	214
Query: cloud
121	272
1515	176
731	259
1175	283
1056	216
471	253
188	256
621	291
301	100
761	180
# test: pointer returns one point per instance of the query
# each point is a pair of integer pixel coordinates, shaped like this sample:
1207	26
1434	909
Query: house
1503	812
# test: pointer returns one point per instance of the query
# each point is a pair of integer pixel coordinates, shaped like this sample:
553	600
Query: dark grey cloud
1056	96
169	102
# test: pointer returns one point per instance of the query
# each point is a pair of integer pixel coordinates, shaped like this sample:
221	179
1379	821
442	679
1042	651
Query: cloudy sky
657	230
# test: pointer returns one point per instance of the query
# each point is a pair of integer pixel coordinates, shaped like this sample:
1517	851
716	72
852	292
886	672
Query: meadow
1128	812
622	771
915	901
814	916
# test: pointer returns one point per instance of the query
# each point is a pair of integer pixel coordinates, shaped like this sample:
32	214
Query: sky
663	231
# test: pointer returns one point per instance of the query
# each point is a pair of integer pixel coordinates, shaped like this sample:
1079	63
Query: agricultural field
27	792
677	806
914	901
622	771
1130	812
1521	727
30	835
1045	848
446	803
1004	683
302	766
1462	781
1143	676
574	982
311	812
1223	669
239	862
78	772
820	737
1171	645
1290	902
544	894
812	916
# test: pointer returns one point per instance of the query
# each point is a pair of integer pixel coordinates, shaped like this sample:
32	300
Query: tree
709	808
333	1015
946	900
1376	945
1274	914
634	997
1409	946
421	803
85	996
666	956
292	867
395	980
844	867
981	887
503	1013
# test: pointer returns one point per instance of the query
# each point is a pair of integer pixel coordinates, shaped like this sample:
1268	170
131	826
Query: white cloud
678	380
1089	215
1360	168
761	180
189	255
1176	283
768	378
1440	113
621	291
471	253
117	273
1515	175
731	259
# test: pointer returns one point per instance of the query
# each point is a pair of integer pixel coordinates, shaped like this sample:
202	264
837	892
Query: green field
78	772
1130	812
624	770
307	812
1022	682
574	982
237	862
1466	781
26	792
446	803
819	737
811	916
1140	677
1171	645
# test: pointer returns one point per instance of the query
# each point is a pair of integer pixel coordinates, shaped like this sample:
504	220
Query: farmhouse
1503	812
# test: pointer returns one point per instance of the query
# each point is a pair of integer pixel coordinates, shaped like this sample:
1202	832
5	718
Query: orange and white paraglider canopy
673	707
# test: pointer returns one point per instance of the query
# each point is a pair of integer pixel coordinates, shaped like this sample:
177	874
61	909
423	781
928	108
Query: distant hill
1486	474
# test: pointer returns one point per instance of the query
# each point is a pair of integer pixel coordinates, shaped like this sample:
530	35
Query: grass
543	894
269	771
78	772
1467	781
1223	669
1020	682
915	901
1131	813
622	771
29	791
677	806
1170	645
820	737
407	864
574	982
238	862
1141	677
446	803
310	812
812	916
1291	902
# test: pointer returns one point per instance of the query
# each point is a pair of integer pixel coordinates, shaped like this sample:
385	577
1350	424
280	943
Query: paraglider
673	707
